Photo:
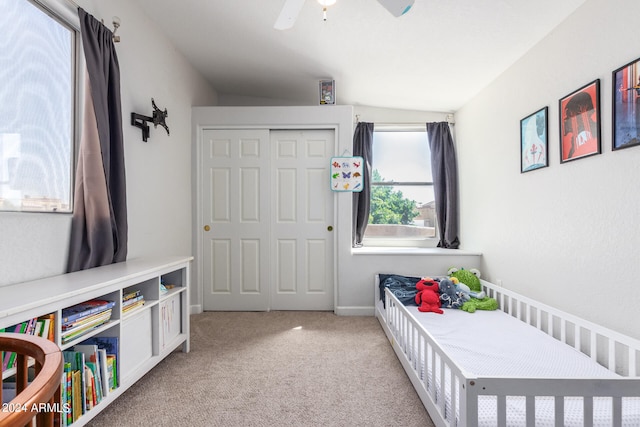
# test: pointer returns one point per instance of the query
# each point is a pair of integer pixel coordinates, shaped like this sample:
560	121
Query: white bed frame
614	351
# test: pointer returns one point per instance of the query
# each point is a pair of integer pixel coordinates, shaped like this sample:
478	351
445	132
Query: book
90	352
39	326
130	295
132	301
30	326
111	347
10	361
84	309
89	387
49	326
86	320
132	306
105	372
76	360
65	395
113	372
71	334
76	395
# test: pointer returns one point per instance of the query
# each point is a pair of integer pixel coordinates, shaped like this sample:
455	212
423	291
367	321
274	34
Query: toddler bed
525	364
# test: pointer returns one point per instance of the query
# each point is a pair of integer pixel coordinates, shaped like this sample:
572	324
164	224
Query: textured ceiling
435	58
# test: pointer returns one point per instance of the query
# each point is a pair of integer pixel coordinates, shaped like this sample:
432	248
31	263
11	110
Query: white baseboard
355	311
340	311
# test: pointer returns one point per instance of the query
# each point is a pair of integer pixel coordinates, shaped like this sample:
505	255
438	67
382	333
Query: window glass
402	201
37	82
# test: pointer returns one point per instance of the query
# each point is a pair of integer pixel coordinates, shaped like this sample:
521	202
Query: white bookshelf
147	334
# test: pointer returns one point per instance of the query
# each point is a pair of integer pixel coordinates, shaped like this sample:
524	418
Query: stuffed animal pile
477	298
461	289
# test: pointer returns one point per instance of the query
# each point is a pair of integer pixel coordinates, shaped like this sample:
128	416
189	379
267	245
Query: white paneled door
268	219
235	191
302	220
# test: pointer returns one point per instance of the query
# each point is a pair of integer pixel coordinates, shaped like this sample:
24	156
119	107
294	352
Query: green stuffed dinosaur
478	300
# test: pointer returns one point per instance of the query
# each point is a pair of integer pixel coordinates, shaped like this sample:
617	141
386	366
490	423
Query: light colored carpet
283	368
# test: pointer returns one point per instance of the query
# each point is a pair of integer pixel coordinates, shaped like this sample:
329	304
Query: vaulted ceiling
434	58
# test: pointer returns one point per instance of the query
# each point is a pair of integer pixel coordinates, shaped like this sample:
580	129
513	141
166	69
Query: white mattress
492	343
495	344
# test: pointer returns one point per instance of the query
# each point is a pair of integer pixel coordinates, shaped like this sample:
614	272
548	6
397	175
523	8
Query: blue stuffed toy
449	296
466	292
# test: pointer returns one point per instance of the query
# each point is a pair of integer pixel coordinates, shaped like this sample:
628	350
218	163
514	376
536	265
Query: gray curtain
445	183
99	224
362	146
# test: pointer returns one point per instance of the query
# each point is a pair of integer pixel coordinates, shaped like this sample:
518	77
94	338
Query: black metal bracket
158	118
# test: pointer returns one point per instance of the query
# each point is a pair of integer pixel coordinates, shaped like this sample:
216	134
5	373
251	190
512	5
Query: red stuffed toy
428	298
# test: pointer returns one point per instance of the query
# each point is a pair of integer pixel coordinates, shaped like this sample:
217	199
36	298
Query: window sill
379	250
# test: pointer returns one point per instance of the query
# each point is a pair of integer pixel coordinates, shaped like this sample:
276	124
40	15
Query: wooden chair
38	398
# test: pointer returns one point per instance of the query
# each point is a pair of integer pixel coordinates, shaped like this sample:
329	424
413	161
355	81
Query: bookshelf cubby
145	334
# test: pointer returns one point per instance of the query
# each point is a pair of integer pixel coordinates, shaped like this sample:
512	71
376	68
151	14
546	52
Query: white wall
567	234
158	172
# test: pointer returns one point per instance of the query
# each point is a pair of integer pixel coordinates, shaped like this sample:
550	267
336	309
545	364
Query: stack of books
90	374
82	318
131	299
42	326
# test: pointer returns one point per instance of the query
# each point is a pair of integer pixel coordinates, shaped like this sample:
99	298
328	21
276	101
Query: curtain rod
71	10
400	126
448	119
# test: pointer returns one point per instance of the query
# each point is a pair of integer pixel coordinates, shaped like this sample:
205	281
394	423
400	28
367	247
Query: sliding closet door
235	189
302	220
267	213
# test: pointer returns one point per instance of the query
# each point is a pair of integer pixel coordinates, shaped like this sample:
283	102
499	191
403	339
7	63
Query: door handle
330	228
207	228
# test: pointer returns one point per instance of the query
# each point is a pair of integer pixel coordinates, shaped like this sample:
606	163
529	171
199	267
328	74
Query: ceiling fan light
326	3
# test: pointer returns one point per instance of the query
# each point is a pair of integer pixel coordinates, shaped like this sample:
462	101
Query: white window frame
66	15
398	242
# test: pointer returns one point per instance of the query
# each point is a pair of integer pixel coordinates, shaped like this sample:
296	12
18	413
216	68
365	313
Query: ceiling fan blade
397	7
289	14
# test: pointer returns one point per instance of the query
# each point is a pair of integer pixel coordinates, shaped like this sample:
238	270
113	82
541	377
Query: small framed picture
534	141
327	92
580	123
626	106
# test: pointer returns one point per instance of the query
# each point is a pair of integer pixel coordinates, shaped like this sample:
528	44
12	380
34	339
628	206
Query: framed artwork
626	106
327	92
346	174
580	123
534	141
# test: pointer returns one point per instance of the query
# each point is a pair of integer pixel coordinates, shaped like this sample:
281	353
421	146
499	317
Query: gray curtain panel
362	146
445	183
99	225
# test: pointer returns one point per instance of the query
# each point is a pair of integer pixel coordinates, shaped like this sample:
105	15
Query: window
402	201
37	94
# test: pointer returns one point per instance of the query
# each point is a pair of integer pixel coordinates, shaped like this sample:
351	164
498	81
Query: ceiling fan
292	8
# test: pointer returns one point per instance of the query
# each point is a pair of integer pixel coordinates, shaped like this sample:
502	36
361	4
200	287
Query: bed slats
425	362
588	411
614	351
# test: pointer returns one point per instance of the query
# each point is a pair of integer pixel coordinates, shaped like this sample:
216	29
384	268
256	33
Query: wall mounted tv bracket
158	118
